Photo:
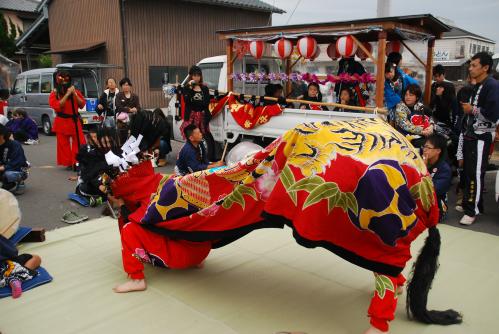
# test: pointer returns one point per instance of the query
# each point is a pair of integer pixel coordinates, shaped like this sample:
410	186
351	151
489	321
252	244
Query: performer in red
65	100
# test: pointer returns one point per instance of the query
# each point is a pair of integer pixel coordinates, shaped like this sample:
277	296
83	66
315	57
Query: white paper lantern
283	48
346	47
257	48
306	46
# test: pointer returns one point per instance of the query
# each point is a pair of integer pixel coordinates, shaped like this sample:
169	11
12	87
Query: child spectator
23	128
13	164
346	98
313	94
435	154
14	268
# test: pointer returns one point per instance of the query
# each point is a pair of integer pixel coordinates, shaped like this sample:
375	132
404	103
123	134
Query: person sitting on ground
93	163
412	118
13	164
313	94
435	156
346	98
23	128
192	157
165	146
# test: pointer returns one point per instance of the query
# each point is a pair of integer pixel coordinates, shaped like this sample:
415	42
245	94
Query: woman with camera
107	104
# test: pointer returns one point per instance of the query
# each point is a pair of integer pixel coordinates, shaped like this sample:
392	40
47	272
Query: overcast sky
478	16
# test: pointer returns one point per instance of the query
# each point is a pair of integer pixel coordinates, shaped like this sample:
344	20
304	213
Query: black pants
475	156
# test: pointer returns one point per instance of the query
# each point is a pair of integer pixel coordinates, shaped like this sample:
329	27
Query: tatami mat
263	283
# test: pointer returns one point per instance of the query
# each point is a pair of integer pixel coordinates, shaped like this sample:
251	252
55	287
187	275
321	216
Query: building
144	38
452	51
22	13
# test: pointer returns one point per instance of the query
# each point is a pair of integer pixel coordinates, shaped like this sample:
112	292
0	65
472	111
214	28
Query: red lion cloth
358	189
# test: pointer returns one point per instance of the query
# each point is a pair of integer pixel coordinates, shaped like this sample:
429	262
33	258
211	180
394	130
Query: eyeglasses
426	147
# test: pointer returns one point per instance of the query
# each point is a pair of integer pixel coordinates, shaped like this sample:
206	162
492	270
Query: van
32	88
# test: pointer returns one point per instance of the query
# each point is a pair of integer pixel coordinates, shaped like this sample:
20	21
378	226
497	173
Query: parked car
32	88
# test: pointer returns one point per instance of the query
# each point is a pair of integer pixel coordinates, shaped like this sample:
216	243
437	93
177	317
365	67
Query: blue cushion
42	278
20	234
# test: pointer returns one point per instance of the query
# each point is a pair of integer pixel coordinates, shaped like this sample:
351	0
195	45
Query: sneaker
467	220
459	208
95	201
31	142
20	188
70	217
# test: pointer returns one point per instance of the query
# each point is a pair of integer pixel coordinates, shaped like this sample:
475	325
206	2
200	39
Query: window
211	74
20	86
46	83
157	75
90	86
460	49
33	84
474	49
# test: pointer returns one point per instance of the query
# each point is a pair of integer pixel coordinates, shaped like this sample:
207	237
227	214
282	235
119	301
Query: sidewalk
263	283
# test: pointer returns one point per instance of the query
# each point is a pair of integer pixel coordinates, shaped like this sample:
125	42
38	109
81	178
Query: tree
7	37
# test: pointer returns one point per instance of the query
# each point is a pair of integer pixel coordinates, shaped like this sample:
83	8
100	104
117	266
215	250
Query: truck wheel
46	126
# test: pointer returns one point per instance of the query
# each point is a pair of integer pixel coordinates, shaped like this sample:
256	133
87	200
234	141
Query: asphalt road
47	187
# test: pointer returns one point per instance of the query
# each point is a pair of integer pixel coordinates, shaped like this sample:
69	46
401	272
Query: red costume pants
384	300
143	246
67	148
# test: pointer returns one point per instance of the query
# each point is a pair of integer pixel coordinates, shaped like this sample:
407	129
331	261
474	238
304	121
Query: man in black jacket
443	98
481	115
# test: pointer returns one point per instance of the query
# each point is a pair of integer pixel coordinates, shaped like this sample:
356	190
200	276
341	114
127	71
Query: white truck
223	126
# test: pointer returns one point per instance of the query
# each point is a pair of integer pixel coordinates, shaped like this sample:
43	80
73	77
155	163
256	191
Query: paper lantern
306	46
316	53
394	46
345	46
331	51
361	54
283	48
256	49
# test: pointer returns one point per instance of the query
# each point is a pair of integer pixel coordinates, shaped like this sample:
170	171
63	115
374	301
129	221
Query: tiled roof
243	4
458	32
19	5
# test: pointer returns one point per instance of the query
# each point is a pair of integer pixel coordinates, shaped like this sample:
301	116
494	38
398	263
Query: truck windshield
211	74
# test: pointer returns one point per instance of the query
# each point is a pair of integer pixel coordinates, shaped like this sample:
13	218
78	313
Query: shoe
70	217
95	201
459	208
20	188
9	186
467	220
162	163
31	142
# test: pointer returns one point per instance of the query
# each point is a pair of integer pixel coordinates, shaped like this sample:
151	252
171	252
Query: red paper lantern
345	46
394	46
283	48
361	54
306	46
256	49
331	51
316	54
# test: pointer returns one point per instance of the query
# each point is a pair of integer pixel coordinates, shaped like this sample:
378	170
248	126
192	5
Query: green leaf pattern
237	196
423	190
318	190
383	283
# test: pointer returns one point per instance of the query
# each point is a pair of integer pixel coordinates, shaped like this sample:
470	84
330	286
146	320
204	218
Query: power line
289	18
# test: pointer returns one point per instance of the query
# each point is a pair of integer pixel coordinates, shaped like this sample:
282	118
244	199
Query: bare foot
400	290
73	178
200	266
132	285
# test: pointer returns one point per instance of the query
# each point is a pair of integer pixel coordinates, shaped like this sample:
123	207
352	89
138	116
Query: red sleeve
80	95
54	102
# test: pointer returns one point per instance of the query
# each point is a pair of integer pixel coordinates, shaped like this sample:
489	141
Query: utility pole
383	9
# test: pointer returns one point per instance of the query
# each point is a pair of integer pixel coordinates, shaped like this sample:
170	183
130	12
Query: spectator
400	79
443	98
351	66
313	94
274	90
65	100
165	146
481	114
196	97
23	128
13	164
412	117
107	104
346	98
434	154
192	157
392	98
127	103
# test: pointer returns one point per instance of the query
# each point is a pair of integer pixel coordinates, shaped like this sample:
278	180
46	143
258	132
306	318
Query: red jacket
64	122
